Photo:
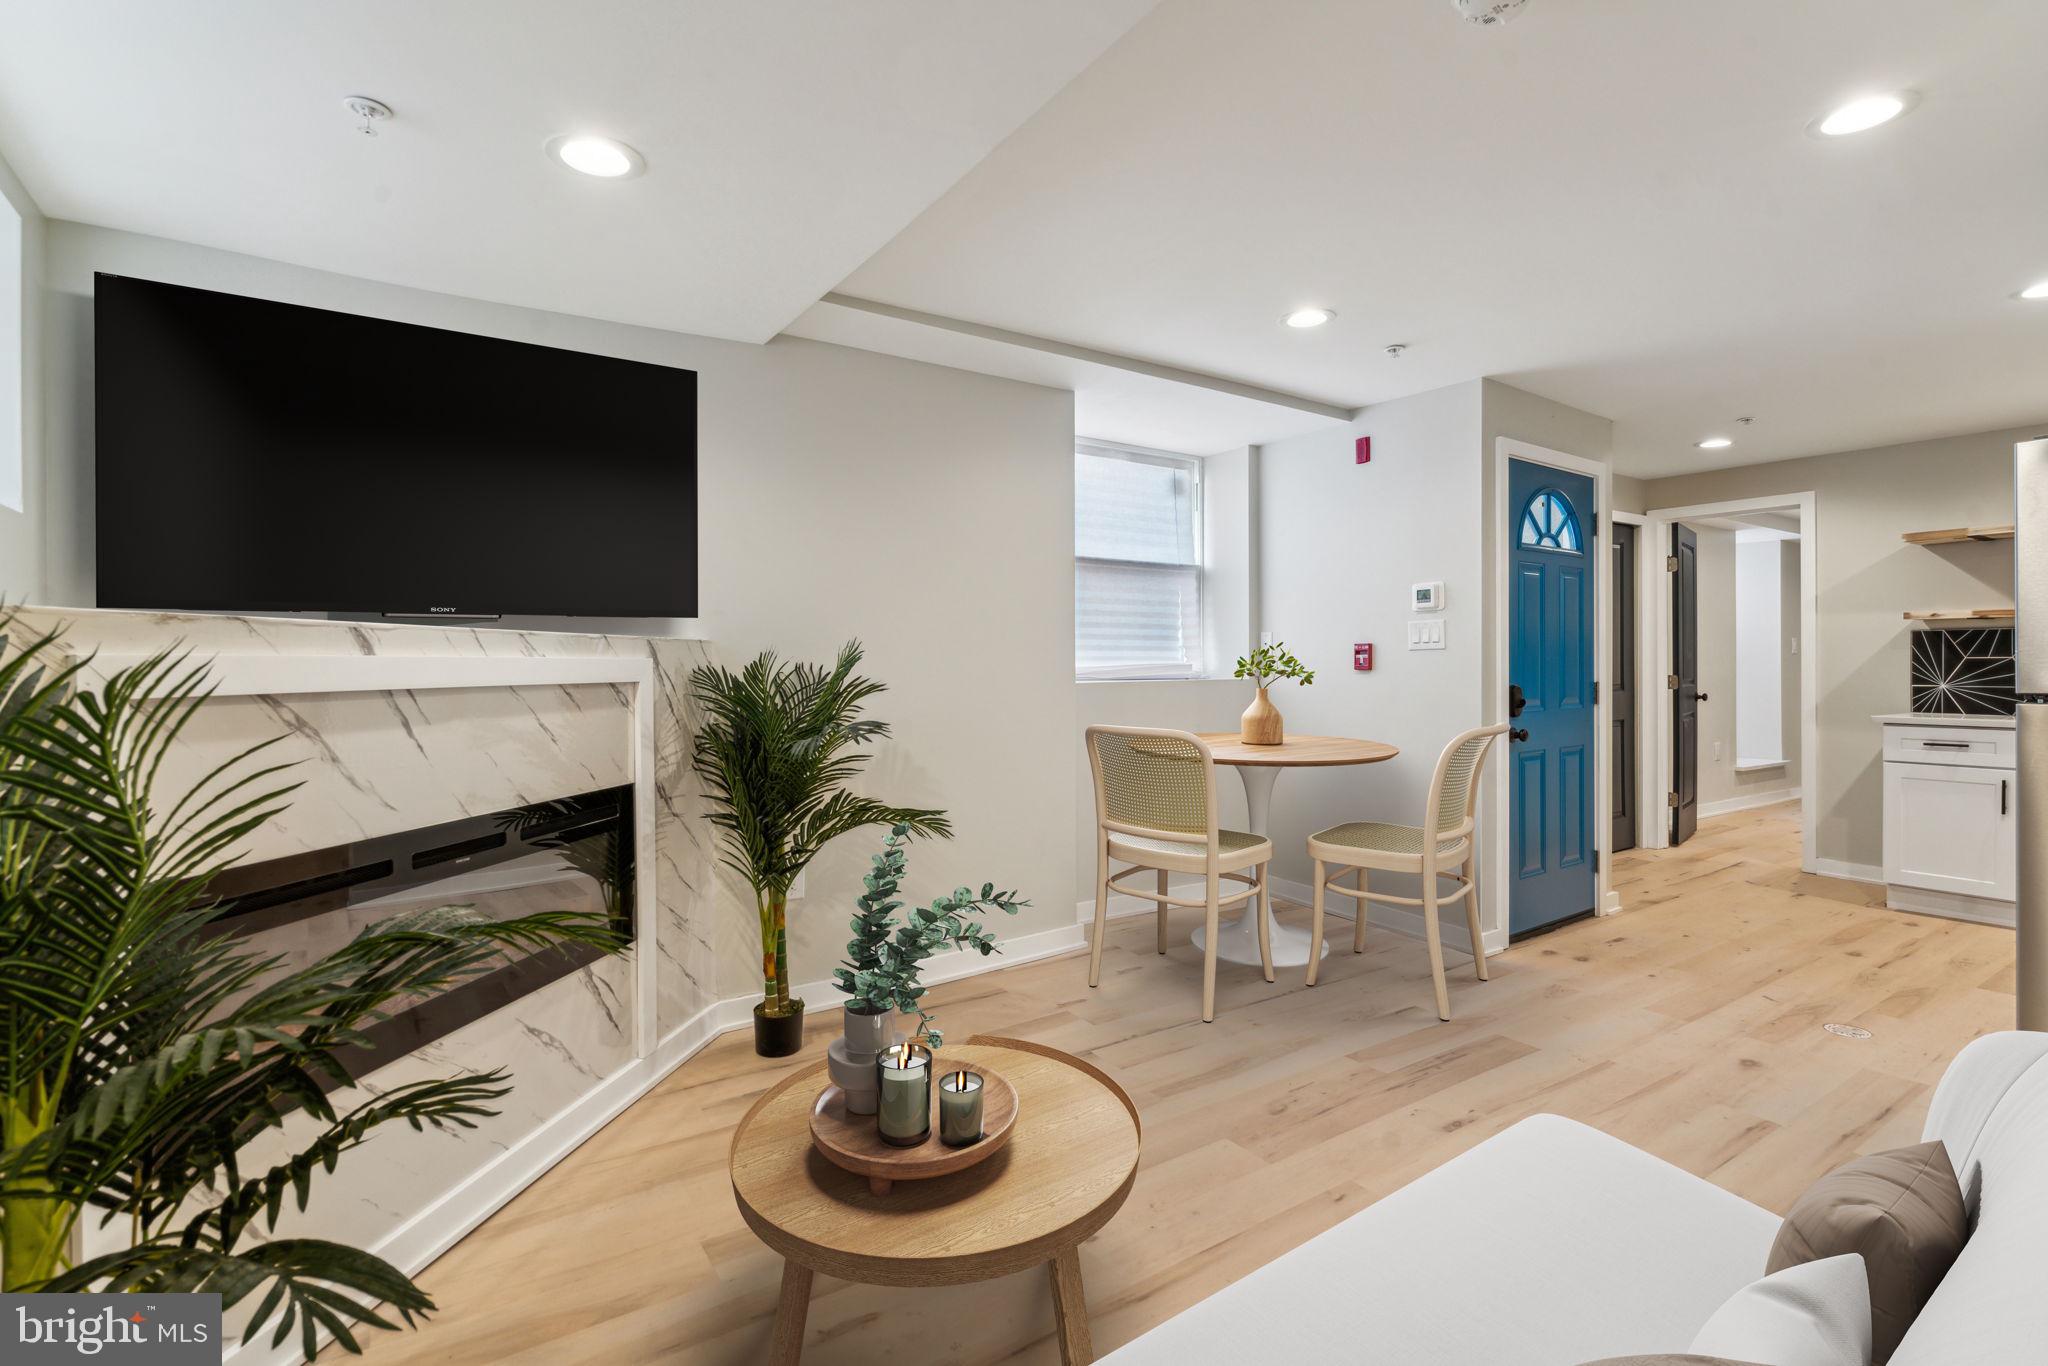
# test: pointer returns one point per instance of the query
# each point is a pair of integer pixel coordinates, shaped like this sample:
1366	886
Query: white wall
1724	614
21	408
927	511
1340	544
1759	674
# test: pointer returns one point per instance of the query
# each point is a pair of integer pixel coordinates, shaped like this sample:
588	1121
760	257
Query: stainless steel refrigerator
2030	595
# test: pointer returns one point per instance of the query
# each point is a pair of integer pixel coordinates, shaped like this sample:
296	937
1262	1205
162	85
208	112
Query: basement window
1137	563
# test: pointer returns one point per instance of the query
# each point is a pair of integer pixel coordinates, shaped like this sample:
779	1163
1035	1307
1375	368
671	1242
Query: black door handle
1699	697
1518	735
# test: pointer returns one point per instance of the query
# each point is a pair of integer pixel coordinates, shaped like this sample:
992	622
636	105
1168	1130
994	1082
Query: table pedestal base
1237	941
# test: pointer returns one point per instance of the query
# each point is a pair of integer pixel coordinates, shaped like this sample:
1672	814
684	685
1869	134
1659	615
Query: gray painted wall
844	494
1867	577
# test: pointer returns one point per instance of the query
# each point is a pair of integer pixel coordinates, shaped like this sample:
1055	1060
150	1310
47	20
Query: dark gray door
1622	691
1685	683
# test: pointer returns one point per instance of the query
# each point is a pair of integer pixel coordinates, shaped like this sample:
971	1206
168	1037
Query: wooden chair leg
1472	914
1101	911
1070	1308
1162	911
1358	925
1436	946
1315	926
786	1343
1209	955
1263	904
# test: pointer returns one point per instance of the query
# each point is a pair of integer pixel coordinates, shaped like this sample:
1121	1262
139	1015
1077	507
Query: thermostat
1429	597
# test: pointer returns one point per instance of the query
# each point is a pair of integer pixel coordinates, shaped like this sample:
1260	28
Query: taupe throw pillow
1902	1211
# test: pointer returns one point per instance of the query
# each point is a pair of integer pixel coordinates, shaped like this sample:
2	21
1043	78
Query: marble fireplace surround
378	682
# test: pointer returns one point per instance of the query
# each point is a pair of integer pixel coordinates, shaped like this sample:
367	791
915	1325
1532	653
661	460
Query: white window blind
1137	564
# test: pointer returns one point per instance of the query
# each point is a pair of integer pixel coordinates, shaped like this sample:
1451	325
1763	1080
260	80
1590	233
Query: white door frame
1659	602
1495	813
1649	578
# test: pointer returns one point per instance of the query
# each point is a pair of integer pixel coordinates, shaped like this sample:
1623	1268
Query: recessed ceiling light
596	156
1861	115
2037	290
1715	443
1309	317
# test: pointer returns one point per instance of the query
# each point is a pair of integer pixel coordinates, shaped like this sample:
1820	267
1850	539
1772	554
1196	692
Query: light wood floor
1689	1025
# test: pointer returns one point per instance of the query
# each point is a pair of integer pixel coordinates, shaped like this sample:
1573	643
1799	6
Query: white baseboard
1852	872
1749	801
413	1245
1950	905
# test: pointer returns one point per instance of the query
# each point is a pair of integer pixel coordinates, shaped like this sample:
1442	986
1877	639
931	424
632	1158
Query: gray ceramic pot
850	1058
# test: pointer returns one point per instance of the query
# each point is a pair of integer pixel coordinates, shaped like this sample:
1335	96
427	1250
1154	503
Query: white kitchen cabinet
1951	817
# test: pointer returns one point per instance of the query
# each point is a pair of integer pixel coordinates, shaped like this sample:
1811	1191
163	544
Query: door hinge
1671	682
1596	692
1596	863
1671	564
1671	800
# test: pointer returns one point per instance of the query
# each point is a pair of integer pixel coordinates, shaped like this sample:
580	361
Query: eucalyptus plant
1269	664
142	1049
778	744
885	957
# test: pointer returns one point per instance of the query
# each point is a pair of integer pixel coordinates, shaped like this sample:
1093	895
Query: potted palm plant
1261	723
141	1049
885	958
778	744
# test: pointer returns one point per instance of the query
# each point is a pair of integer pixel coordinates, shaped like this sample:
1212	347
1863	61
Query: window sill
1759	765
1167	678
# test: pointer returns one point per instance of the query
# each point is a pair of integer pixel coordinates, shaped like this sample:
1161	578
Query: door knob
1699	697
1518	735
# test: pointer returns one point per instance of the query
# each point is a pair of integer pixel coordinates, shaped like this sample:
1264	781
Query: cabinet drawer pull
1944	744
2001	796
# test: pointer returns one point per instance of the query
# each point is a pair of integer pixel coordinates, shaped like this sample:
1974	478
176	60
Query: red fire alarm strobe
1361	658
1363	446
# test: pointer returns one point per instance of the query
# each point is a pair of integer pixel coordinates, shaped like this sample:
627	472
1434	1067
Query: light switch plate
1427	634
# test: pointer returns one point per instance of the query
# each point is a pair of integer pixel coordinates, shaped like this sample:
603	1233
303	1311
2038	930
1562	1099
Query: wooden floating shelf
1957	535
1948	618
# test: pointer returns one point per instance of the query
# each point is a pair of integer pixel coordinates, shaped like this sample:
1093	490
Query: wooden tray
855	1143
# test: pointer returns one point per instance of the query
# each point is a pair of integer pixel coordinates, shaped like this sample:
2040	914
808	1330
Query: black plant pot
778	1036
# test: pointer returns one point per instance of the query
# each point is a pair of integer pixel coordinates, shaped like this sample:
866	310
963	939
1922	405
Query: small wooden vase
1260	724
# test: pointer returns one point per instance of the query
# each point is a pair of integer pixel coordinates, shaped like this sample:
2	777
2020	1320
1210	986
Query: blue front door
1550	667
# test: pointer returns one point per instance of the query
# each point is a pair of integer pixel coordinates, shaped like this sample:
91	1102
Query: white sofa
1552	1244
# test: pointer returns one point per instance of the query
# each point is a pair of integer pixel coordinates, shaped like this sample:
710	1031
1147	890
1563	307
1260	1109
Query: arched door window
1548	523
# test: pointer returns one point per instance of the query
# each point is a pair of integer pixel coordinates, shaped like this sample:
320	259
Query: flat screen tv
257	456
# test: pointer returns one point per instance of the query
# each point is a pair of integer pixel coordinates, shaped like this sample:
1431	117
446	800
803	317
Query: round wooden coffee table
1069	1165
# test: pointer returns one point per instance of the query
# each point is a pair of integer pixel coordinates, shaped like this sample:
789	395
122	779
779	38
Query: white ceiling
1616	206
1112	402
1613	205
785	139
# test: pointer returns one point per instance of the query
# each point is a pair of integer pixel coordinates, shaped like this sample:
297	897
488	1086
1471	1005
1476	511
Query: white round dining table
1259	766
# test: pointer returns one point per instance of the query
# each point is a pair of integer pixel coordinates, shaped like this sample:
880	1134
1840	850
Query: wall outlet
1717	751
1426	635
1361	658
1265	637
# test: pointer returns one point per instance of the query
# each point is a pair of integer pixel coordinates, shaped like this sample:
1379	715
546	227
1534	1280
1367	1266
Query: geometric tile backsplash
1967	672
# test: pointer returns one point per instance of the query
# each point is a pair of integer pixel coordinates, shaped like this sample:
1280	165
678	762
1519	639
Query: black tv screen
257	456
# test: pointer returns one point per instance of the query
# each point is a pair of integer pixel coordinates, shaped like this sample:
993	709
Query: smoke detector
1489	12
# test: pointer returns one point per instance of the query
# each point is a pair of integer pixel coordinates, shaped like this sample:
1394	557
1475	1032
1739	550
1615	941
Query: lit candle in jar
960	1108
905	1113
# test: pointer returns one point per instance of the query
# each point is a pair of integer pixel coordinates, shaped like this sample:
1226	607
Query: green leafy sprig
884	957
1270	664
